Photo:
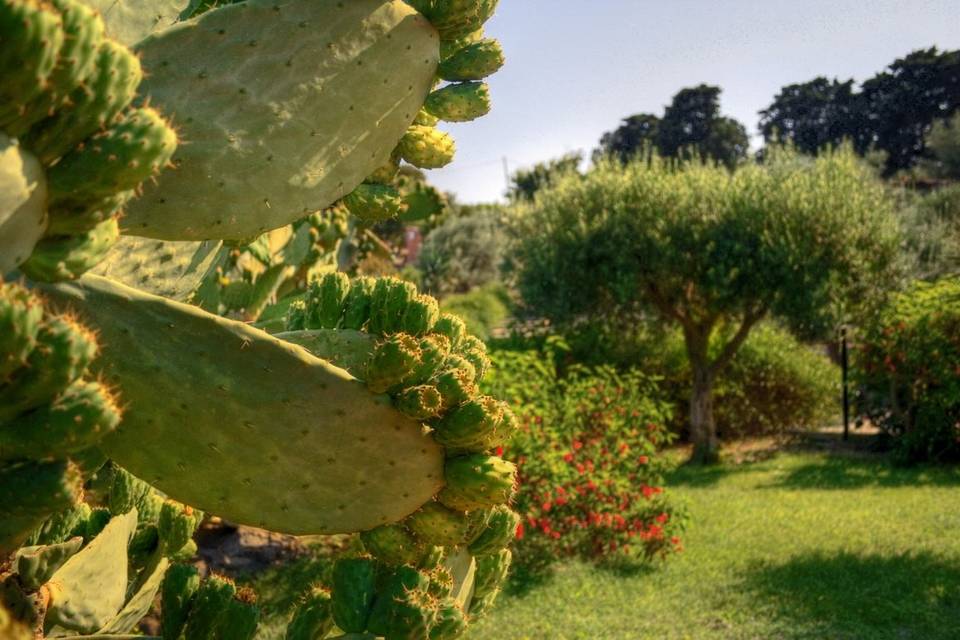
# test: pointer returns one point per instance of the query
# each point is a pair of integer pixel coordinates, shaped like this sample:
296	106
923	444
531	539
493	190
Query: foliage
908	372
943	143
892	111
589	462
482	310
798	239
525	183
774	544
463	253
691	127
931	226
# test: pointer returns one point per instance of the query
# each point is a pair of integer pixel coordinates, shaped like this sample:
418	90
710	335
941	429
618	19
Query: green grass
798	546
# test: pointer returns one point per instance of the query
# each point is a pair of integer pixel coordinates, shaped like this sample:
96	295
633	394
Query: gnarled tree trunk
703	429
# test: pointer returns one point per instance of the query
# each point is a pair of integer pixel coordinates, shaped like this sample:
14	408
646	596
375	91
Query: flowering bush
908	370
591	477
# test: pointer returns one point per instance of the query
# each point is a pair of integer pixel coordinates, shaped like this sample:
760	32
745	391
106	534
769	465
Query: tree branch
750	318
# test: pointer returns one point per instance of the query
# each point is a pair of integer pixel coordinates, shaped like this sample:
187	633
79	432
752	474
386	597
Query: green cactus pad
385	173
91	106
127	492
62	526
338	458
312	618
208	607
426	147
357	304
475	352
477	481
450	622
374	202
169	269
90	588
23	211
289	108
394	359
435	524
130	21
392	544
20	317
452	327
350	350
389	301
403	581
240	617
491	572
456	385
179	586
30	492
479	607
35	565
325	299
420	315
67	257
79	217
434	351
500	529
75	420
137	146
140	603
32	38
354	588
460	102
475	61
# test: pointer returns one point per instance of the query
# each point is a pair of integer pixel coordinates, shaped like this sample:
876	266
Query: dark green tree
635	132
526	182
709	250
812	115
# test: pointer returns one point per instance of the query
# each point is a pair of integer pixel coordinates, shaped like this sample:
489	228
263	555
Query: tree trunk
703	430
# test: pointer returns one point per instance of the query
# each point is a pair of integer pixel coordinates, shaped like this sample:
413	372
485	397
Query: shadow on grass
844	595
846	472
690	475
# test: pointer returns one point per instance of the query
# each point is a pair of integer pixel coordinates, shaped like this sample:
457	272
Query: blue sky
576	67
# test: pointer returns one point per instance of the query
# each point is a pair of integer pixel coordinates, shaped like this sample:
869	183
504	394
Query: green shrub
483	309
591	476
463	253
908	372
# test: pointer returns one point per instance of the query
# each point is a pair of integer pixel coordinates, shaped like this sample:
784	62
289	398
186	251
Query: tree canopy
796	238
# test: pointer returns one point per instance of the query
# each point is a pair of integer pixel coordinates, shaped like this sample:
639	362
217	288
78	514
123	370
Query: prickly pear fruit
136	147
312	618
240	617
29	493
68	257
391	297
357	303
387	171
32	38
455	19
434	524
393	545
425	119
393	360
176	525
179	586
420	402
325	300
207	609
491	572
374	202
76	420
460	102
441	582
475	61
450	622
35	565
452	327
477	481
434	350
433	558
426	147
456	385
402	582
475	351
420	315
91	106
411	616
354	589
64	350
500	529
20	317
472	426
83	32
79	217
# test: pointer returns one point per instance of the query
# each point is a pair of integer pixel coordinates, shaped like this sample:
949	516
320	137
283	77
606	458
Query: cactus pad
291	106
23	194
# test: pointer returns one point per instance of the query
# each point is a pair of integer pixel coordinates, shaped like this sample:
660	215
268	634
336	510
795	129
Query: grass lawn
798	546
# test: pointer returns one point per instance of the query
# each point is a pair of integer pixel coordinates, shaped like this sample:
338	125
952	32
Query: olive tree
800	239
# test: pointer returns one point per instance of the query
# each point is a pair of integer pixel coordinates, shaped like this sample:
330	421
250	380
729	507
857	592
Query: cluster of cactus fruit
293	117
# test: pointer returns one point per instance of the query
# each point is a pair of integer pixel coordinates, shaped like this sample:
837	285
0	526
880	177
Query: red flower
662	518
577	445
546	506
498	451
519	533
643	459
568	457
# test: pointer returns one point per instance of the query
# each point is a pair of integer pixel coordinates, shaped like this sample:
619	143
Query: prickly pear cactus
129	402
73	150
